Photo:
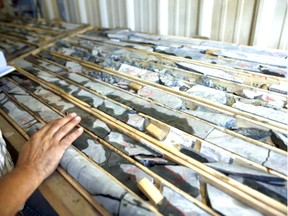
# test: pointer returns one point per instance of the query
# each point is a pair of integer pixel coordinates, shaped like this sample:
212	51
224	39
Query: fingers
54	126
66	128
67	141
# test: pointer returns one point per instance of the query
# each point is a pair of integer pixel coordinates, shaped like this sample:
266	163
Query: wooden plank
142	167
150	191
201	102
58	192
229	85
248	77
245	194
236	157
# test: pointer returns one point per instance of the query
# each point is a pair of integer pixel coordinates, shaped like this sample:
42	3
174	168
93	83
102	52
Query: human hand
44	150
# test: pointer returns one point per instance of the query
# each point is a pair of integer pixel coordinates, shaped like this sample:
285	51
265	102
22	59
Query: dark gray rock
112	109
195	155
136	172
151	161
245	171
167	79
88	97
278	193
254	133
170	117
280	140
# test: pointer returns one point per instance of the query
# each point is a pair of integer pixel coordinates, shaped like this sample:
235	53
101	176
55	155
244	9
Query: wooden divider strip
245	194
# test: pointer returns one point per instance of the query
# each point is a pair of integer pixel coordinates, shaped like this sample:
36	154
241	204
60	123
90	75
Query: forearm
38	158
15	189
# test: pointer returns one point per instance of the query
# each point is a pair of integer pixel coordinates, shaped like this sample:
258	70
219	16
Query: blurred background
262	23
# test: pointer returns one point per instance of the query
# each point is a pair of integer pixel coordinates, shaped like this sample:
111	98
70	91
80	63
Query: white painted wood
163	17
82	11
130	14
250	22
121	13
283	42
104	13
243	22
215	29
48	9
205	18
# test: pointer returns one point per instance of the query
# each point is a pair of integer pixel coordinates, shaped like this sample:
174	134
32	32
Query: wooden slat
142	167
58	192
199	101
236	157
245	194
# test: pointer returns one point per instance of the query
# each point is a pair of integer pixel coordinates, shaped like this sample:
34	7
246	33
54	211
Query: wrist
30	173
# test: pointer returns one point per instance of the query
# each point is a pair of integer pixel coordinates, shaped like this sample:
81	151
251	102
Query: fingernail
77	118
80	129
73	114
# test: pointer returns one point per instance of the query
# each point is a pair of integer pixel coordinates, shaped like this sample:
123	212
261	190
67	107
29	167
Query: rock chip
73	66
215	118
161	97
265	112
280	140
254	133
208	93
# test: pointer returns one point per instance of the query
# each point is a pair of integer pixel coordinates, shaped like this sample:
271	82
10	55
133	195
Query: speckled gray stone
75	165
265	112
95	151
130	206
278	162
136	121
39	108
68	155
208	93
239	146
227	205
99	87
135	171
77	78
161	97
184	205
215	118
126	144
91	99
112	108
52	98
74	66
